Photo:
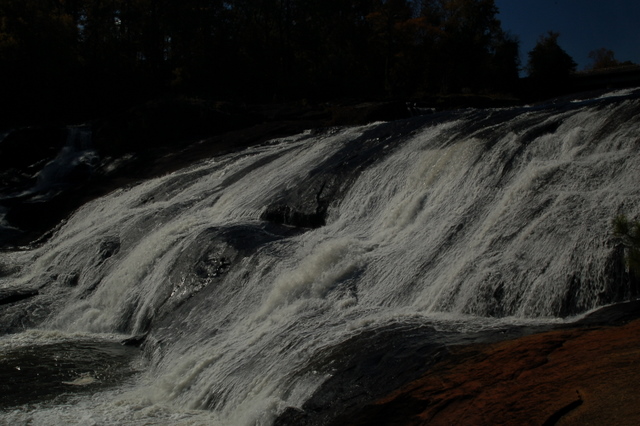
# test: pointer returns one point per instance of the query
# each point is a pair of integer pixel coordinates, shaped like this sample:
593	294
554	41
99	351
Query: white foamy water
466	222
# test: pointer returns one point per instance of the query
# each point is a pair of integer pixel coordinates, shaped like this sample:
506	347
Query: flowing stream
279	279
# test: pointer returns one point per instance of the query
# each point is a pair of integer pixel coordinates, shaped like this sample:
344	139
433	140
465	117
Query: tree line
248	49
86	56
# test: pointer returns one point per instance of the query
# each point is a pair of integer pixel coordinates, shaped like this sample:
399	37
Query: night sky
584	25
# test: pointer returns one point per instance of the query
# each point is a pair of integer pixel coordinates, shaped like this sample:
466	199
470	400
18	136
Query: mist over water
257	277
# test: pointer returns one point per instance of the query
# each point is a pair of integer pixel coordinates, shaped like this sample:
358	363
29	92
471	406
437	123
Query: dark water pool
38	373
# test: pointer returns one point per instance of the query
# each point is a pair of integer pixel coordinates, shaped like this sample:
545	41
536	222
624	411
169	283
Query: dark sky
584	25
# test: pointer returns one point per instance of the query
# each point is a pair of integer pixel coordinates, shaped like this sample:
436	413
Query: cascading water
258	276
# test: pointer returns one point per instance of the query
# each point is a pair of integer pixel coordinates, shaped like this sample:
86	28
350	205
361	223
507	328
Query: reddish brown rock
581	376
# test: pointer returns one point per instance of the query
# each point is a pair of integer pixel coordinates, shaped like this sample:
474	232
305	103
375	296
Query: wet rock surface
378	362
306	203
586	373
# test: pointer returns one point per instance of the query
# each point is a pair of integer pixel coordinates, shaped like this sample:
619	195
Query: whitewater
260	280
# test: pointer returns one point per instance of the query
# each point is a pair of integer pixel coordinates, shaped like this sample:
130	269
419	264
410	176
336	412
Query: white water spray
482	218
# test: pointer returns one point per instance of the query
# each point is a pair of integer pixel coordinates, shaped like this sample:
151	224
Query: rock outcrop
586	374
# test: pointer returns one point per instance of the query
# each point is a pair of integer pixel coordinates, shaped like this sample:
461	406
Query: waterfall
253	275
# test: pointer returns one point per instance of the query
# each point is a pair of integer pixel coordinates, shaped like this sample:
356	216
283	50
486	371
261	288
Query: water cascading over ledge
257	277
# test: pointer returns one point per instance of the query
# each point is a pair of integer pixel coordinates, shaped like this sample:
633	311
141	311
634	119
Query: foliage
118	50
471	50
38	53
629	234
548	62
603	58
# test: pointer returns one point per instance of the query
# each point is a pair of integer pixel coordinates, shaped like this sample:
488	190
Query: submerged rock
134	340
305	203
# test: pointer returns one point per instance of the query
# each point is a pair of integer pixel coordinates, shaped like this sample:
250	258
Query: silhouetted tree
467	47
38	56
602	58
505	65
549	66
97	55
